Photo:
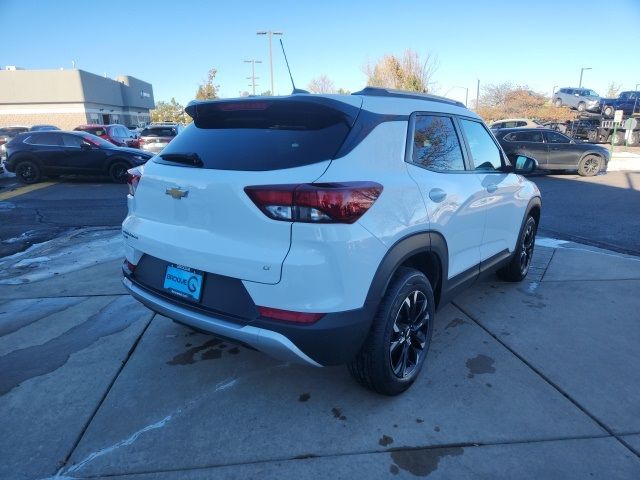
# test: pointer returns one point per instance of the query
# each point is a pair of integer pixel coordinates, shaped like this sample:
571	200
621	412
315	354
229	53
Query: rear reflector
133	178
315	202
288	316
128	268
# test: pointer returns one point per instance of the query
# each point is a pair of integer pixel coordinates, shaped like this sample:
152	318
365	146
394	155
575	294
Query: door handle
492	188
437	195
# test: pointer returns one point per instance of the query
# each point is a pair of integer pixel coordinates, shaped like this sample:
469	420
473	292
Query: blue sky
172	44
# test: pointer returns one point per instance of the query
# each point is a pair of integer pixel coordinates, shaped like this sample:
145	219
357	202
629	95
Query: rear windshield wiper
191	159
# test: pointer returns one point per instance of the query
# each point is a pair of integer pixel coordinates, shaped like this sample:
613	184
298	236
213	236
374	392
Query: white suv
327	229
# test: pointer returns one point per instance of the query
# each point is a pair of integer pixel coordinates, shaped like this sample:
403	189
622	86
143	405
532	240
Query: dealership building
68	98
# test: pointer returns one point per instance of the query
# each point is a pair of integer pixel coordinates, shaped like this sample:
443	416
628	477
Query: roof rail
388	92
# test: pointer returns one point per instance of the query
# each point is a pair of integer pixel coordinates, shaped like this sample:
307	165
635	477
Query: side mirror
524	165
85	146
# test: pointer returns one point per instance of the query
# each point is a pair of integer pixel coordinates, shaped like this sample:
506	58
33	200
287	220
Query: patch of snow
69	252
550	242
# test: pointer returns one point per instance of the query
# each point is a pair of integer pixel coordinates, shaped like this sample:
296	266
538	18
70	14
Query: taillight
315	202
141	141
289	316
133	178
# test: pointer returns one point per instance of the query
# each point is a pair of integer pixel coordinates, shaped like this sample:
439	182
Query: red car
117	134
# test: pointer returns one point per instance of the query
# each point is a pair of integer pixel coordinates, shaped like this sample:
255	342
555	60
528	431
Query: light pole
253	73
270	34
478	95
581	72
466	96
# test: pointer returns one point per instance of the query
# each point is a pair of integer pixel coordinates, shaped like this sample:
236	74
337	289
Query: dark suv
33	155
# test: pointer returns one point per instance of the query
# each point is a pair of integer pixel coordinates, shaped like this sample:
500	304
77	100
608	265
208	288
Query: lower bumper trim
272	343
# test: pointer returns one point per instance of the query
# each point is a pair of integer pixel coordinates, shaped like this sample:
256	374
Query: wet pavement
530	380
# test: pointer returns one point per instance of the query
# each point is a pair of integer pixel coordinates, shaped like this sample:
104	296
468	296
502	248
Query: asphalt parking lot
530	380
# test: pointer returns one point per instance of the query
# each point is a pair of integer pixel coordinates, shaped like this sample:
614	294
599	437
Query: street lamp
581	72
270	34
253	73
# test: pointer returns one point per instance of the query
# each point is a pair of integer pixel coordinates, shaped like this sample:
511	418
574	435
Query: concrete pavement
529	380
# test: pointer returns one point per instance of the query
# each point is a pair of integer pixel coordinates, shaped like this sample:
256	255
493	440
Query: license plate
184	282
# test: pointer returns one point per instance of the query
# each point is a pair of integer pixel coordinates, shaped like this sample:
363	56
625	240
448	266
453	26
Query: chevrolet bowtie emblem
176	193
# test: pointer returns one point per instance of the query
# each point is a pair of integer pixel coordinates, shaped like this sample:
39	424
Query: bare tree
321	84
408	72
613	90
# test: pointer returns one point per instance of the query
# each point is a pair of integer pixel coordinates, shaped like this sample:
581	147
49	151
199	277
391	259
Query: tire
401	330
617	139
27	171
516	270
592	136
582	107
634	138
118	171
608	111
557	102
589	166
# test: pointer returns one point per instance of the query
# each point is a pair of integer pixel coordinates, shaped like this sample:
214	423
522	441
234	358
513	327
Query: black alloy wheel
396	347
409	336
526	246
118	172
518	267
28	172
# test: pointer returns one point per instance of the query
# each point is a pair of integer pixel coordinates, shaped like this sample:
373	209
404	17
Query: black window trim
505	160
408	155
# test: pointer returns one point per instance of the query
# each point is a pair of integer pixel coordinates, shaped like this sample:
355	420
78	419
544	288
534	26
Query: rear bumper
271	343
333	340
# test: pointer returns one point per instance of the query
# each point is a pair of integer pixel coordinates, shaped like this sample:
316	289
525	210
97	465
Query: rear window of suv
262	135
159	132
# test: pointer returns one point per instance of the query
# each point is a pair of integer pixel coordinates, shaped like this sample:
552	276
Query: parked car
628	102
514	122
33	155
582	99
298	225
158	135
6	134
554	151
117	134
42	128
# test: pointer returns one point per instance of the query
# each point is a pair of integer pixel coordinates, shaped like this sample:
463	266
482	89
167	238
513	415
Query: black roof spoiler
201	109
388	92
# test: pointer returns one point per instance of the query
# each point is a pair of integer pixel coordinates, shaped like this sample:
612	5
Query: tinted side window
71	140
554	137
45	139
486	154
435	144
528	137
